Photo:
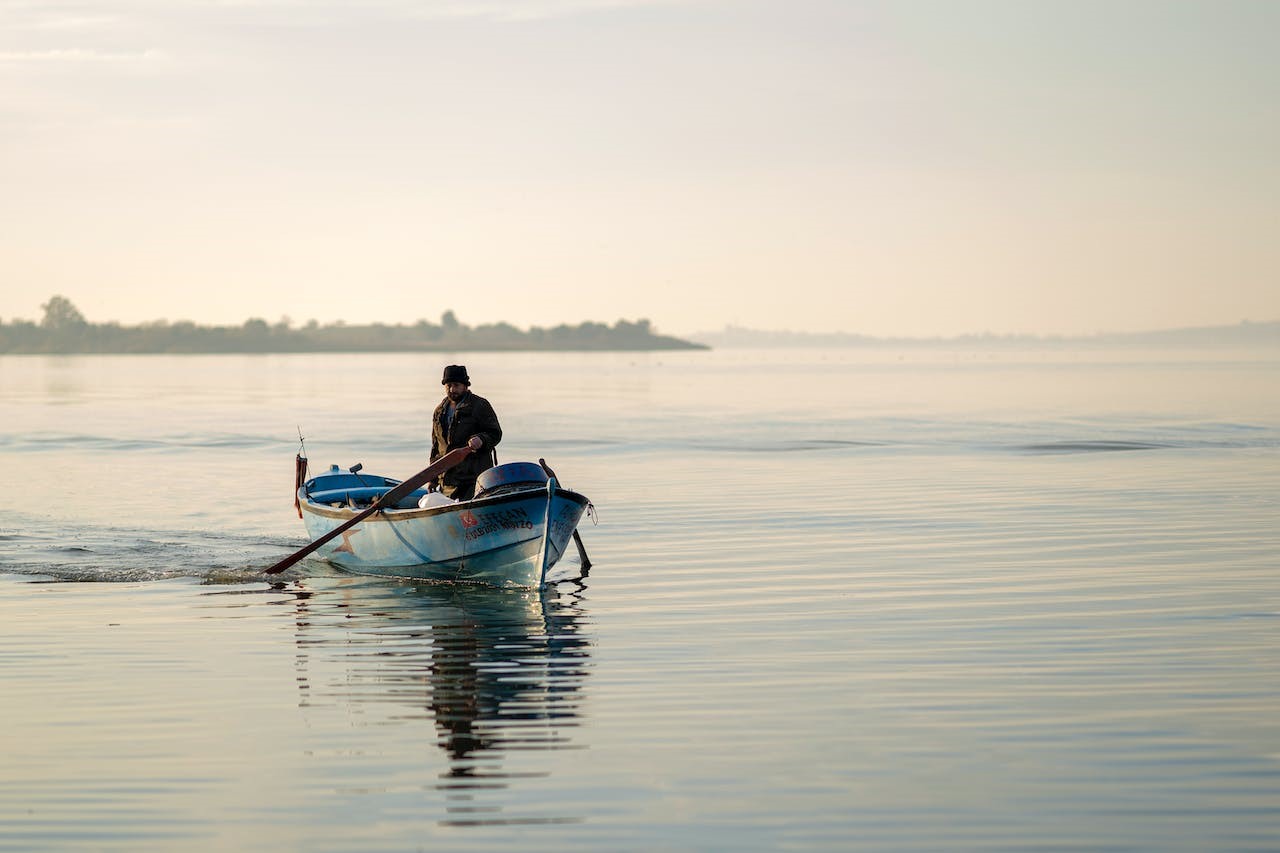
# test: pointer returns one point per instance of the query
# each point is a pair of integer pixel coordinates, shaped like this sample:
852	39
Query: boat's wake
129	555
98	554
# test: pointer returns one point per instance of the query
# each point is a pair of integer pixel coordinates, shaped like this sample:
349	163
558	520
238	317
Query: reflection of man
458	704
463	420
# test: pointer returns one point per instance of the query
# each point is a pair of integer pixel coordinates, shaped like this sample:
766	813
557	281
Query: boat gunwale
392	514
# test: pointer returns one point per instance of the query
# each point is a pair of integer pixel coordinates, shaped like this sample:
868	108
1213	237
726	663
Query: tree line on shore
63	329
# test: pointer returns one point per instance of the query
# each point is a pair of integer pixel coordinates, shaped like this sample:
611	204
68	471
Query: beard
455	396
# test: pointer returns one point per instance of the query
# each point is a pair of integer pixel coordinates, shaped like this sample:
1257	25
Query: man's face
455	390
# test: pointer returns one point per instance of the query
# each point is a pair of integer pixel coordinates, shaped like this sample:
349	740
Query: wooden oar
390	498
577	539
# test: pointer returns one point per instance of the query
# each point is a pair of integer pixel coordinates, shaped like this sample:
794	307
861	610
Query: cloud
525	10
76	14
77	55
68	22
20	15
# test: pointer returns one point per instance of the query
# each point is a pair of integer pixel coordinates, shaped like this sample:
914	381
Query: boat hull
511	539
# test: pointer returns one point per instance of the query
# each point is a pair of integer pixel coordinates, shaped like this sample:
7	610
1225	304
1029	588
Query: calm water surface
840	600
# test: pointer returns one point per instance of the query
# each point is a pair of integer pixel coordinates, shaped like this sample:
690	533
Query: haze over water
841	599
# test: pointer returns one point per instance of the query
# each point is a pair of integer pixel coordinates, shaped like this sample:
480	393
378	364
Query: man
463	420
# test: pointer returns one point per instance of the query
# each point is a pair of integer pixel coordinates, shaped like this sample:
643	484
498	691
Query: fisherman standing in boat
463	419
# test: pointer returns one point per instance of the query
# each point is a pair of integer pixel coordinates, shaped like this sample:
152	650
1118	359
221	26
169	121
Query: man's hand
475	443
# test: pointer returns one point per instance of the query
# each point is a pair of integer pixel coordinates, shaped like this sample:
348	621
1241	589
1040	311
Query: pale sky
866	166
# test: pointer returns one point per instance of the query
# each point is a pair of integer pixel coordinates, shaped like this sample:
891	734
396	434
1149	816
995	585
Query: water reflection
496	671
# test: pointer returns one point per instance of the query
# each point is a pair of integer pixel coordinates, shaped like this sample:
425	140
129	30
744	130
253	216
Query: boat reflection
496	670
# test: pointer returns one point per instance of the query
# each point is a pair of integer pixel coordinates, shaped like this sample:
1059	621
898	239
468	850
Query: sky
882	167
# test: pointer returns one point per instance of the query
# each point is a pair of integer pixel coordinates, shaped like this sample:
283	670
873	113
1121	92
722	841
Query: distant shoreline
65	331
1244	335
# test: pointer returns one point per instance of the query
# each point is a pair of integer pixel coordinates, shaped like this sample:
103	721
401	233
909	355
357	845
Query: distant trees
60	315
63	329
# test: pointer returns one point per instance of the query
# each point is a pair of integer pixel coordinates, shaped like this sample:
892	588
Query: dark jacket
472	416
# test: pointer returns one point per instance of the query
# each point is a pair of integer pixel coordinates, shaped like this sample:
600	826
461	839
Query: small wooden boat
510	534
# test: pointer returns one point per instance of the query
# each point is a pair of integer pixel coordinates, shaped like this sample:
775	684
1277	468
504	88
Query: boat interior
338	488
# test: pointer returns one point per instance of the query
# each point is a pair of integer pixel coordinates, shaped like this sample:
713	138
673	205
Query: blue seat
365	495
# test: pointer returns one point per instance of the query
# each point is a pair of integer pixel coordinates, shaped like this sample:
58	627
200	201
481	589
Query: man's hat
456	373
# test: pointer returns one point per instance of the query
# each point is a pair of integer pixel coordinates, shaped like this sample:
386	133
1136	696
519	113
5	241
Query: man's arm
487	427
435	445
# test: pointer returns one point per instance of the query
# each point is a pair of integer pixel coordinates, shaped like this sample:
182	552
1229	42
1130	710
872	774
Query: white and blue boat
510	534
